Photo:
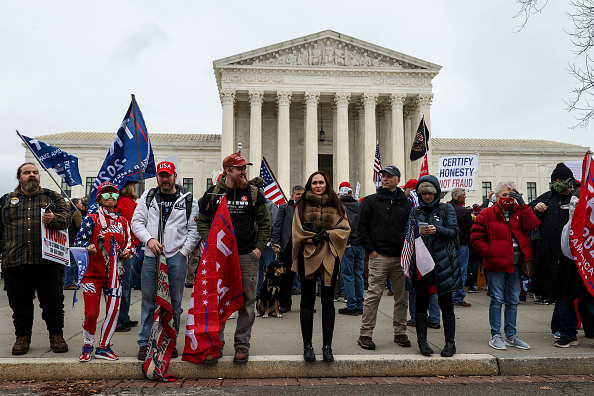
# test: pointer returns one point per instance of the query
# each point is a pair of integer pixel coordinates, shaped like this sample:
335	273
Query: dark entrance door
325	165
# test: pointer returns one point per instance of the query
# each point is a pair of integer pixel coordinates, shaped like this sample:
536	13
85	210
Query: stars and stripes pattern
408	248
272	190
218	290
377	167
414	244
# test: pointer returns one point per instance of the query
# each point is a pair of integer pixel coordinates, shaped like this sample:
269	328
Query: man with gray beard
26	273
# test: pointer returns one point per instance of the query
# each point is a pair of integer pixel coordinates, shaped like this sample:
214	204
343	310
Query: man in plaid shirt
25	272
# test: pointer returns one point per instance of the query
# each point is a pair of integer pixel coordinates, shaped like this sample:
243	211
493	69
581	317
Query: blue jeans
505	289
296	282
568	318
463	255
71	273
434	313
265	260
126	282
177	267
352	276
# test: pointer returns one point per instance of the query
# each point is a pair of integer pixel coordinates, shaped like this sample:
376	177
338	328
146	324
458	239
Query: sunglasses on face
107	195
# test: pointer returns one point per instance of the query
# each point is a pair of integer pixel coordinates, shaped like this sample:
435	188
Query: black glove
320	237
518	197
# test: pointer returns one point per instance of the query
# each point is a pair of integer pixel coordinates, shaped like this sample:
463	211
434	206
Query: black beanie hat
561	172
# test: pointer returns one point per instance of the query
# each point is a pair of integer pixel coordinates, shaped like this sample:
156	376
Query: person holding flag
438	228
106	236
251	224
180	237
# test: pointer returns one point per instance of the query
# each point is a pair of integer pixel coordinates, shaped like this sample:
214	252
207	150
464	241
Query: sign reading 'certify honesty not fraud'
457	171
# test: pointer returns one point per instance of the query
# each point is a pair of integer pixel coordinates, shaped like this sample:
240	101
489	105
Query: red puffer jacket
491	236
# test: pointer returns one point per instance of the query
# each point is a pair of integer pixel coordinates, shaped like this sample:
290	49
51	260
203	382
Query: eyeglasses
107	195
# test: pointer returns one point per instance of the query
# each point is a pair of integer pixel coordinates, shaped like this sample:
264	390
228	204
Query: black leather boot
421	325
306	319
449	331
328	317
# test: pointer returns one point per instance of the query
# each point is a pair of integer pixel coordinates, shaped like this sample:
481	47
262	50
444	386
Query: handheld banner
55	244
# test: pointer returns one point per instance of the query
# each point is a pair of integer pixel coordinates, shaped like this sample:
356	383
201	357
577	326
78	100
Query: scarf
102	213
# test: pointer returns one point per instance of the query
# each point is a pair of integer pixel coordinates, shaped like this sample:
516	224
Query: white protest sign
457	171
357	190
576	168
54	244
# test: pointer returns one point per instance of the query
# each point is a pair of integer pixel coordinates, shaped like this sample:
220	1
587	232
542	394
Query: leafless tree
582	68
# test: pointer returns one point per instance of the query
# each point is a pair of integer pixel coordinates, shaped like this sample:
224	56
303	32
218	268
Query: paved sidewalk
276	348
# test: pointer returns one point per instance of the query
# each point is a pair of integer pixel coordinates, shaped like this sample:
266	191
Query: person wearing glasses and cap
95	235
180	237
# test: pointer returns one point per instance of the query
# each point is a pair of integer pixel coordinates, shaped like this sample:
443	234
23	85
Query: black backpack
189	198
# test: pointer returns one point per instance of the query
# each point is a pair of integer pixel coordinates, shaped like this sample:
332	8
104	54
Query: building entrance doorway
325	165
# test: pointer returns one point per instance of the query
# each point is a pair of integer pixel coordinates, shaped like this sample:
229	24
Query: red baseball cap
345	184
107	187
235	159
167	167
411	183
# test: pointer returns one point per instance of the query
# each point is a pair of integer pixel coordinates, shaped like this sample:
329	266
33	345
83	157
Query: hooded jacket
180	234
353	207
491	236
382	220
441	244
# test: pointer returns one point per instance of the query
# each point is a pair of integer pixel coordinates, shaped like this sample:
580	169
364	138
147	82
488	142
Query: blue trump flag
121	163
65	165
81	258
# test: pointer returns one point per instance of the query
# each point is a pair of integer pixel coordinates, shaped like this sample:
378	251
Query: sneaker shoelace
87	349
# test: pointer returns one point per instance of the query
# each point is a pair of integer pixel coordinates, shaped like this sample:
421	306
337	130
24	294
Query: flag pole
137	143
274	177
44	167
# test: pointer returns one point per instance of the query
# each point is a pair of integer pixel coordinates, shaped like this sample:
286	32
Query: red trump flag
217	290
581	236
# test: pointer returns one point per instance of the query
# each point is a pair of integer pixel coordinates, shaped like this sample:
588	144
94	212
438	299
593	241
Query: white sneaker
516	342
496	342
233	315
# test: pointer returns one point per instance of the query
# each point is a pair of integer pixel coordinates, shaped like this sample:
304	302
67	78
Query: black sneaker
566	342
132	323
402	340
346	311
366	343
472	289
122	328
174	353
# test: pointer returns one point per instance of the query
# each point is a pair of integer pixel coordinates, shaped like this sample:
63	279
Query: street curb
291	366
546	365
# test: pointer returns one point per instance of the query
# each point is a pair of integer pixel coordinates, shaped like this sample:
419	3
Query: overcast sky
72	65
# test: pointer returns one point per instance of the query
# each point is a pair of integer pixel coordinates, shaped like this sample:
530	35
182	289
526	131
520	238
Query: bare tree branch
527	8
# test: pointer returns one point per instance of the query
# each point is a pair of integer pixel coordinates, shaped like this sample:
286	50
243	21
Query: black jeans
308	291
423	287
21	284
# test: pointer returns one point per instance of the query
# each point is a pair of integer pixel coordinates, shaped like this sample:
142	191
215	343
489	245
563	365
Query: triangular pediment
327	49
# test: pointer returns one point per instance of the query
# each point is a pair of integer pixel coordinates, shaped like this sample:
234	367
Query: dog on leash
270	290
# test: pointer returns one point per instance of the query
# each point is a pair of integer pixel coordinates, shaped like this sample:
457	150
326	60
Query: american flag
377	167
272	190
408	248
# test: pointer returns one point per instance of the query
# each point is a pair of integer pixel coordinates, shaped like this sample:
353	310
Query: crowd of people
329	243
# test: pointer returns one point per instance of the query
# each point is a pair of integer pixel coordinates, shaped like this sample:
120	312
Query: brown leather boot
21	346
57	343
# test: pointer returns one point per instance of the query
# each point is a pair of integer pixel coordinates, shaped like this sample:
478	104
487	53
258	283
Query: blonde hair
129	190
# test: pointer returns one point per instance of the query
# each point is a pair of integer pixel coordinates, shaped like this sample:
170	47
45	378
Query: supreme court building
323	101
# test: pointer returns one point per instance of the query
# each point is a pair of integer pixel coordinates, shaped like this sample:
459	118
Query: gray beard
30	186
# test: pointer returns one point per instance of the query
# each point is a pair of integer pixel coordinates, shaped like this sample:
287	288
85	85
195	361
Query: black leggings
444	300
308	292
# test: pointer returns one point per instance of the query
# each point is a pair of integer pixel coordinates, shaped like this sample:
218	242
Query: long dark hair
329	191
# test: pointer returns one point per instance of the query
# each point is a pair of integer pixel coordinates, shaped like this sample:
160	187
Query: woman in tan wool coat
320	233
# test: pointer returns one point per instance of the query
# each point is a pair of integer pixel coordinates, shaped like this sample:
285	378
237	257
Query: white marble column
424	108
409	110
310	143
359	137
369	143
283	170
396	135
383	116
256	99
227	137
341	139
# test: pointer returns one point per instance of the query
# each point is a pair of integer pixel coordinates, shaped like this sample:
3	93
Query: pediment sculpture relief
327	52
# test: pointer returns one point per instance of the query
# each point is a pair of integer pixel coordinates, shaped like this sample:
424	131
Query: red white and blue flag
377	167
218	290
272	190
413	243
581	235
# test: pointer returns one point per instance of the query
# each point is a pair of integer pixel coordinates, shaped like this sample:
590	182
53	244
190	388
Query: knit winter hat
426	188
561	172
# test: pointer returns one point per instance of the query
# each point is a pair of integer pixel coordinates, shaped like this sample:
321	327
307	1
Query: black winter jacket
440	245
464	216
352	208
382	221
